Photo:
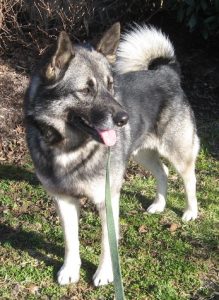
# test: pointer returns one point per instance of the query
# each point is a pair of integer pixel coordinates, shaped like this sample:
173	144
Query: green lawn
161	258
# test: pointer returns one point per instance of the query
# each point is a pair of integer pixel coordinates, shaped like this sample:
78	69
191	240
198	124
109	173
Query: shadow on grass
208	132
199	234
145	202
13	172
34	244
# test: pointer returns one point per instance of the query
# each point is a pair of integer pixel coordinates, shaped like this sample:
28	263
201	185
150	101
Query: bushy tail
141	47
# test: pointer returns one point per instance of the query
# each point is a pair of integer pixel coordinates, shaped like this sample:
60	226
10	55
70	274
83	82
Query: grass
161	258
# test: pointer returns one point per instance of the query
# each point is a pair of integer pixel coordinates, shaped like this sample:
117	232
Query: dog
124	94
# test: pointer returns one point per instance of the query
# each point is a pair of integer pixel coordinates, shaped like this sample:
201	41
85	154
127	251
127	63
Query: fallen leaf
174	227
142	229
33	289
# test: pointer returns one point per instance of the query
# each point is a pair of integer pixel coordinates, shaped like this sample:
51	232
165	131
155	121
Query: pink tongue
108	136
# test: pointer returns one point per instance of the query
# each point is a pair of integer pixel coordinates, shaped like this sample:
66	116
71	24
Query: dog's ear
59	62
109	42
50	135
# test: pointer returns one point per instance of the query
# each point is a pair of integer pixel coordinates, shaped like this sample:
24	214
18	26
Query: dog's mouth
105	136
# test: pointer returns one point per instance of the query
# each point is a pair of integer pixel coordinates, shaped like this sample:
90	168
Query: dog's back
148	80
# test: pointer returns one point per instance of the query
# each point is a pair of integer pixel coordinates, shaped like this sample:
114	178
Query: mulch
12	88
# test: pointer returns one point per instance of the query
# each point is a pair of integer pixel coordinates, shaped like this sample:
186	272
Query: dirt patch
12	138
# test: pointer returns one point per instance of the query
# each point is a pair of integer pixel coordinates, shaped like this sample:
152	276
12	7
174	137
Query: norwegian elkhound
125	95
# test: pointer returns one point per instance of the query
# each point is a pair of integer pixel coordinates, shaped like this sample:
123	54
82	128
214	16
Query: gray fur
70	162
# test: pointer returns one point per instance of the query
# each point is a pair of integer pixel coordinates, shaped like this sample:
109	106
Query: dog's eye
85	91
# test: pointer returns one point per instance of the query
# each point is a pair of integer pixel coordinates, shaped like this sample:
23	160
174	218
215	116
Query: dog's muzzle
100	123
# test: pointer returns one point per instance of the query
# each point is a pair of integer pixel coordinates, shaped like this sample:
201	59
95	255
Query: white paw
103	275
189	215
67	275
156	208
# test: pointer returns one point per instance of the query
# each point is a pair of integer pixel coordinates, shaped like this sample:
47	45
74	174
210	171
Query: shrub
201	15
24	21
28	22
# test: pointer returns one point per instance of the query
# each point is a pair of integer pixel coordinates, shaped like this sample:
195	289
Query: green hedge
199	15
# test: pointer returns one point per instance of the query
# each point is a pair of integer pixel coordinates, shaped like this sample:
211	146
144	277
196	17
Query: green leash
118	286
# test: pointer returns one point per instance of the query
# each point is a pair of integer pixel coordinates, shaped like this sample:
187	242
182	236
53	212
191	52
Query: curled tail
143	48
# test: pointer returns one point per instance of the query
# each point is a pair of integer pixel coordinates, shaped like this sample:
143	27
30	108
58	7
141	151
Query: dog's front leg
104	273
68	209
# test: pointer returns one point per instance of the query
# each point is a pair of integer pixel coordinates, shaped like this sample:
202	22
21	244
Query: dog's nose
121	118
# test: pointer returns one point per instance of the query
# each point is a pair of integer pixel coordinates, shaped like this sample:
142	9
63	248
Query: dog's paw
189	215
156	208
103	275
67	275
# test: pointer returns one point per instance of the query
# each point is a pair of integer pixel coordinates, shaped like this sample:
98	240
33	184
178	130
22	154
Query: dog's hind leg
104	273
183	156
68	209
150	160
187	171
189	178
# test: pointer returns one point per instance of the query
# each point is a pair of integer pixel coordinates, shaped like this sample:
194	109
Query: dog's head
74	88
